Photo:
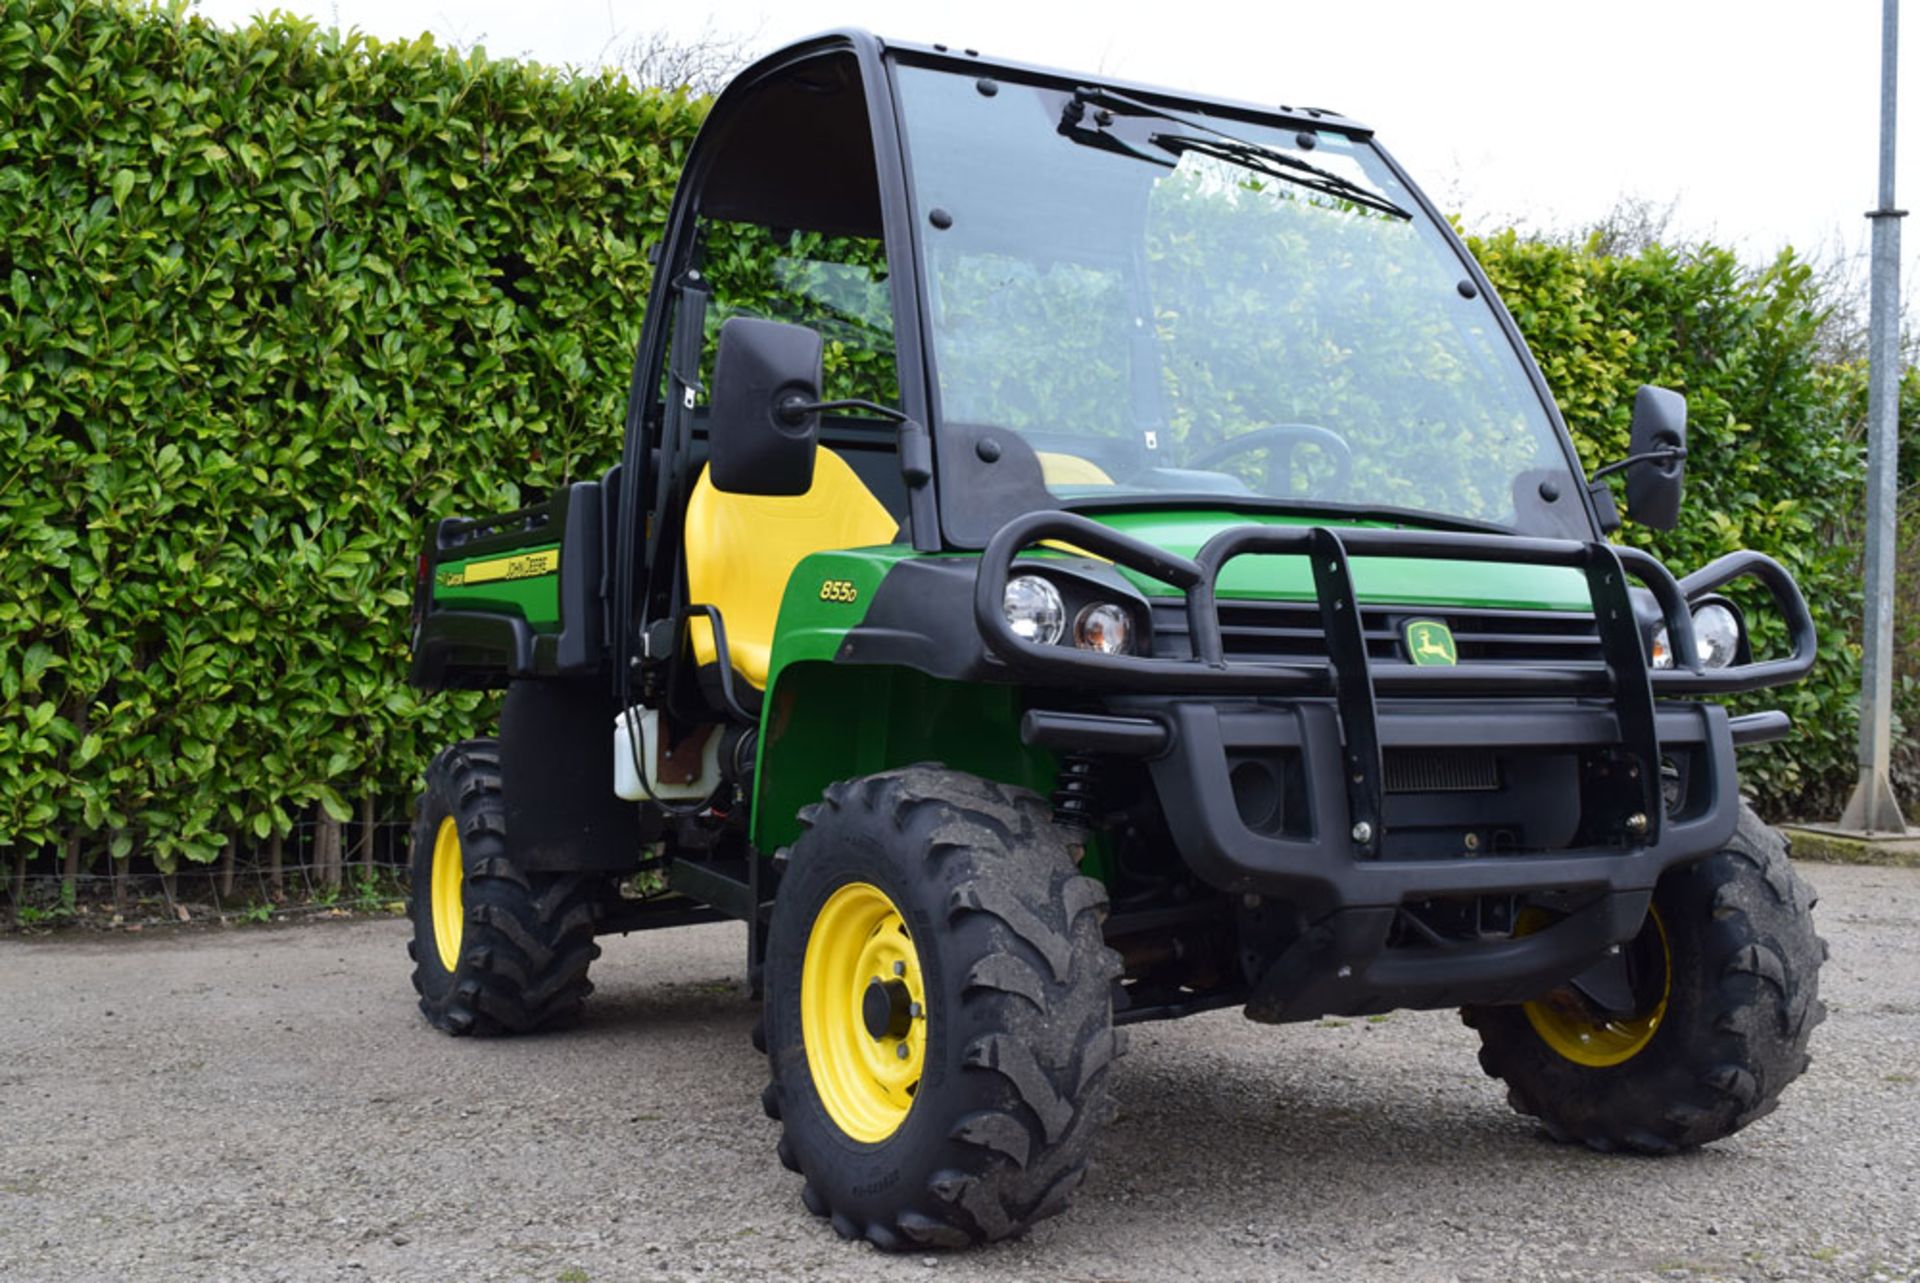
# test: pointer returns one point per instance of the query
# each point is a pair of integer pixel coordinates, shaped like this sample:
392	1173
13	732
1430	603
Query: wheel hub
445	894
887	1009
1608	1014
863	1013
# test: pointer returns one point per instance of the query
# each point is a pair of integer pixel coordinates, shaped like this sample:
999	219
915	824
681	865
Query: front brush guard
1622	675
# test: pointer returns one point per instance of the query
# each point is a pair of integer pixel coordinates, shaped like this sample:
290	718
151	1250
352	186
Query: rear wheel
1693	1030
495	950
938	1010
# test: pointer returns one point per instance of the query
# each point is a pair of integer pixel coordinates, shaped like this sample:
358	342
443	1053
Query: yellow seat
1071	470
742	548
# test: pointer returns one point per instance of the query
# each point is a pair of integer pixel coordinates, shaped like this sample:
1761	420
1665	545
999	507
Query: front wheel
1693	1030
939	1018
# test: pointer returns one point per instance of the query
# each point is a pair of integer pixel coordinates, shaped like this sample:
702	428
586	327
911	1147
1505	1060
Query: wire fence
316	868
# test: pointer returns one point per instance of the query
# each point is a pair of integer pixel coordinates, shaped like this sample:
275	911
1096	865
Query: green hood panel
1409	581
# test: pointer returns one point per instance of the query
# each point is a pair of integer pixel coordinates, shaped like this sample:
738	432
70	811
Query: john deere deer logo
1429	642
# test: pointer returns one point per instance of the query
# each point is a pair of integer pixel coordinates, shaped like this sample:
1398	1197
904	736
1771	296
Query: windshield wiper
1277	164
1212	141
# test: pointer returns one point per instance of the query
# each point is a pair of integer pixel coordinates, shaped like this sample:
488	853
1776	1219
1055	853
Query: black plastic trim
1094	733
580	648
470	650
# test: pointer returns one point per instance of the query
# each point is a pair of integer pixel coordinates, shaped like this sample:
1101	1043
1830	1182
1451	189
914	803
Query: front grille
1282	631
1409	770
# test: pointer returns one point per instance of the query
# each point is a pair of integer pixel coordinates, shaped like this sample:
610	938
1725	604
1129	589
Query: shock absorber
1076	789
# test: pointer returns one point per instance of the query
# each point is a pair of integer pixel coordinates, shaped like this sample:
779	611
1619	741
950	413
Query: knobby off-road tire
495	950
1014	981
1743	999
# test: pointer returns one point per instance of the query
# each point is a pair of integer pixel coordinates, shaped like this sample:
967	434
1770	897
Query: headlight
1034	610
1662	651
1716	636
1104	627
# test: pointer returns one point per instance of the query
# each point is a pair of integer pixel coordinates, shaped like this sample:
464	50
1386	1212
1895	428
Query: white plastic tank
626	775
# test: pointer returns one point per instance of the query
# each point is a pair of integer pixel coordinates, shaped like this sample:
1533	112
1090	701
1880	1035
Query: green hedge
270	297
267	298
1774	459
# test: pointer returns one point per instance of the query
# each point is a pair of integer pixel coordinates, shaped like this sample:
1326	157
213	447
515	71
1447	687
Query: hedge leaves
267	299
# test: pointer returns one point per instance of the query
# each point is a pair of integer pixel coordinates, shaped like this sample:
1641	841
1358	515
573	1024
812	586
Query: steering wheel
1280	439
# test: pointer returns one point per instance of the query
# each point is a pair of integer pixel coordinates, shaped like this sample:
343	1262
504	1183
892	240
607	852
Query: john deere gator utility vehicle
1085	554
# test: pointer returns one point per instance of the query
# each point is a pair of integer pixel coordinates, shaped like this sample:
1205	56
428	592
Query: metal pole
1872	807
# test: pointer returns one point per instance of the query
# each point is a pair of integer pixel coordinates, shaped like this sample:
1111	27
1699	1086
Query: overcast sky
1757	117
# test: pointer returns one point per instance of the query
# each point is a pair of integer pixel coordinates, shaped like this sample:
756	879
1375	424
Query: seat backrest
1071	470
742	549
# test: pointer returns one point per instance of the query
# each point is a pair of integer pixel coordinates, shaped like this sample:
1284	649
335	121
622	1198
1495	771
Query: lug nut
902	1052
1363	832
915	1010
899	968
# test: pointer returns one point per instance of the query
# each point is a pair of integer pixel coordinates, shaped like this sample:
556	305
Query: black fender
921	616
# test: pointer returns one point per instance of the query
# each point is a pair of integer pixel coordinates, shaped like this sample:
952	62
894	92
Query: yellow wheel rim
449	913
1570	1025
863	1012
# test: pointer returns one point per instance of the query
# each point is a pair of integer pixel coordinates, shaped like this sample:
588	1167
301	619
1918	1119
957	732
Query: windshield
1173	303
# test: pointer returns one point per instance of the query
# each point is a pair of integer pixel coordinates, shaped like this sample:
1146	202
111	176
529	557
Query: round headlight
1716	632
1034	610
1104	627
1716	636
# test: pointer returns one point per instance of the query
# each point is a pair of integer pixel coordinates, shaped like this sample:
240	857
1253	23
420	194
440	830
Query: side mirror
1656	457
763	430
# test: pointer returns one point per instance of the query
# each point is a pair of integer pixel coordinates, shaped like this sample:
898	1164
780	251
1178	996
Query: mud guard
556	760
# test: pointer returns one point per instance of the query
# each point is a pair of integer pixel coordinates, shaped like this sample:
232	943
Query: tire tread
527	941
1757	1005
1041	989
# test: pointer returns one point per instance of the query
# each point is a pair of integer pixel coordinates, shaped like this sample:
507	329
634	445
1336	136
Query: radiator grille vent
1279	631
1440	771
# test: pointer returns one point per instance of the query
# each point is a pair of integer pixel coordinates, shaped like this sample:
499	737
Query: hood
1409	581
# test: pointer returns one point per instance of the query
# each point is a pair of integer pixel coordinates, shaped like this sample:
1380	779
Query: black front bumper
1342	898
1328	865
1340	849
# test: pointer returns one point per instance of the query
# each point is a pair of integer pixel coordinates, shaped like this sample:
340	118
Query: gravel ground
266	1104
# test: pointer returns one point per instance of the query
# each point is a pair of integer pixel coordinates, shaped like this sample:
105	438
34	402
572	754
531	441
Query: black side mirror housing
1654	484
758	441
